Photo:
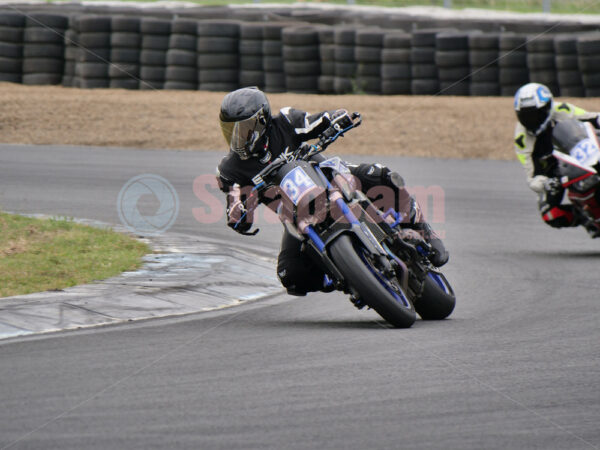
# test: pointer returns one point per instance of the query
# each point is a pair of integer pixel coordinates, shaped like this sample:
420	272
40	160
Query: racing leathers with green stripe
535	154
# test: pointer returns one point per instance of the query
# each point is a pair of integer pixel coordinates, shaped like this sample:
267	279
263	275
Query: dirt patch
442	126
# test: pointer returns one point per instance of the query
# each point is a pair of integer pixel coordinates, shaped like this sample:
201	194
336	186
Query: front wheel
438	300
379	292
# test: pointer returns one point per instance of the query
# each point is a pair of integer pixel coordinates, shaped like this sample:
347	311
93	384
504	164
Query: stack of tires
512	63
272	51
369	46
484	51
218	57
567	66
541	63
345	60
423	65
588	49
452	60
301	59
327	58
153	57
71	54
395	64
11	46
126	41
43	48
251	55
182	59
94	33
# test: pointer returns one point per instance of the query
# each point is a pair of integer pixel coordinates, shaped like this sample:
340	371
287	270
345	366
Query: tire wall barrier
309	52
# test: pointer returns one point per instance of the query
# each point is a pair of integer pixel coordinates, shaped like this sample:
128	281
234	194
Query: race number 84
296	183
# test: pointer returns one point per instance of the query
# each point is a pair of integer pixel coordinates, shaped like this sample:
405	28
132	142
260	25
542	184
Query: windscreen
567	134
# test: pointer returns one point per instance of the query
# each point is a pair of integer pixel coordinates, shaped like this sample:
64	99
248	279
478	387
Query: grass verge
51	254
521	6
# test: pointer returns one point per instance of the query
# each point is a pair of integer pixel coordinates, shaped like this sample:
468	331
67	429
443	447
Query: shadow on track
348	325
573	254
325	324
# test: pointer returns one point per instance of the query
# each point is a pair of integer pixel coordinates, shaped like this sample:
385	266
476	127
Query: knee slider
299	275
288	280
558	217
560	222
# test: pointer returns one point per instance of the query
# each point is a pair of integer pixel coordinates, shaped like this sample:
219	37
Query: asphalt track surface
517	366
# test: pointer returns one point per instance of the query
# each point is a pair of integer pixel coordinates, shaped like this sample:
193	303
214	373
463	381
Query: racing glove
339	121
552	186
237	216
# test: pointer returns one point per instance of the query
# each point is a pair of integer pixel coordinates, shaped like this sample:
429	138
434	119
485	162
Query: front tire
384	296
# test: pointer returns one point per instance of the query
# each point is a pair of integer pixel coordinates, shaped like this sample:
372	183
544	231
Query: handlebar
300	153
325	142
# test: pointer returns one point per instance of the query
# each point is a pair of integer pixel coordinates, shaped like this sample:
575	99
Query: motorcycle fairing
586	151
335	163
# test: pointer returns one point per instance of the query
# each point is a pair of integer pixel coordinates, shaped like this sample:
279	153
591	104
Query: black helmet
533	105
245	115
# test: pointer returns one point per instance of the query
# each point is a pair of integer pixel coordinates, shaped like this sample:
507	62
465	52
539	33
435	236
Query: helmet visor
533	118
241	136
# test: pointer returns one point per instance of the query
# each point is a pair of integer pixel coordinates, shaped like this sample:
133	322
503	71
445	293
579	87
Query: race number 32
296	183
585	152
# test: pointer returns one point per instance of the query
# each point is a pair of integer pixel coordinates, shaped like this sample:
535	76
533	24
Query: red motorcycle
577	149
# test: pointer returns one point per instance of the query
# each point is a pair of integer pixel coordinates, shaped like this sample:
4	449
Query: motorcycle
356	244
577	149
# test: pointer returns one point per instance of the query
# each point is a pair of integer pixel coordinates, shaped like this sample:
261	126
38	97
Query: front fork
412	266
376	232
368	233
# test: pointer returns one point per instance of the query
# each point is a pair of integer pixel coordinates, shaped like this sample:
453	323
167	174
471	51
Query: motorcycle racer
256	137
537	113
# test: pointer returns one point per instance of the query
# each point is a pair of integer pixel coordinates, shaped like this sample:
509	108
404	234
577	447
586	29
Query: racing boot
438	256
592	228
413	219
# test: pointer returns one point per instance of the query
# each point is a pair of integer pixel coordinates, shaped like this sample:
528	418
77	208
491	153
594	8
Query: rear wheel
371	284
437	301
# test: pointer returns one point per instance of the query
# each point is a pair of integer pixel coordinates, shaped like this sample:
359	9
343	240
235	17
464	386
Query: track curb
185	275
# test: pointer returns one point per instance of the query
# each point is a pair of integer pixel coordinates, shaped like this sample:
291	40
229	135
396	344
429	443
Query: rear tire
388	300
437	301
